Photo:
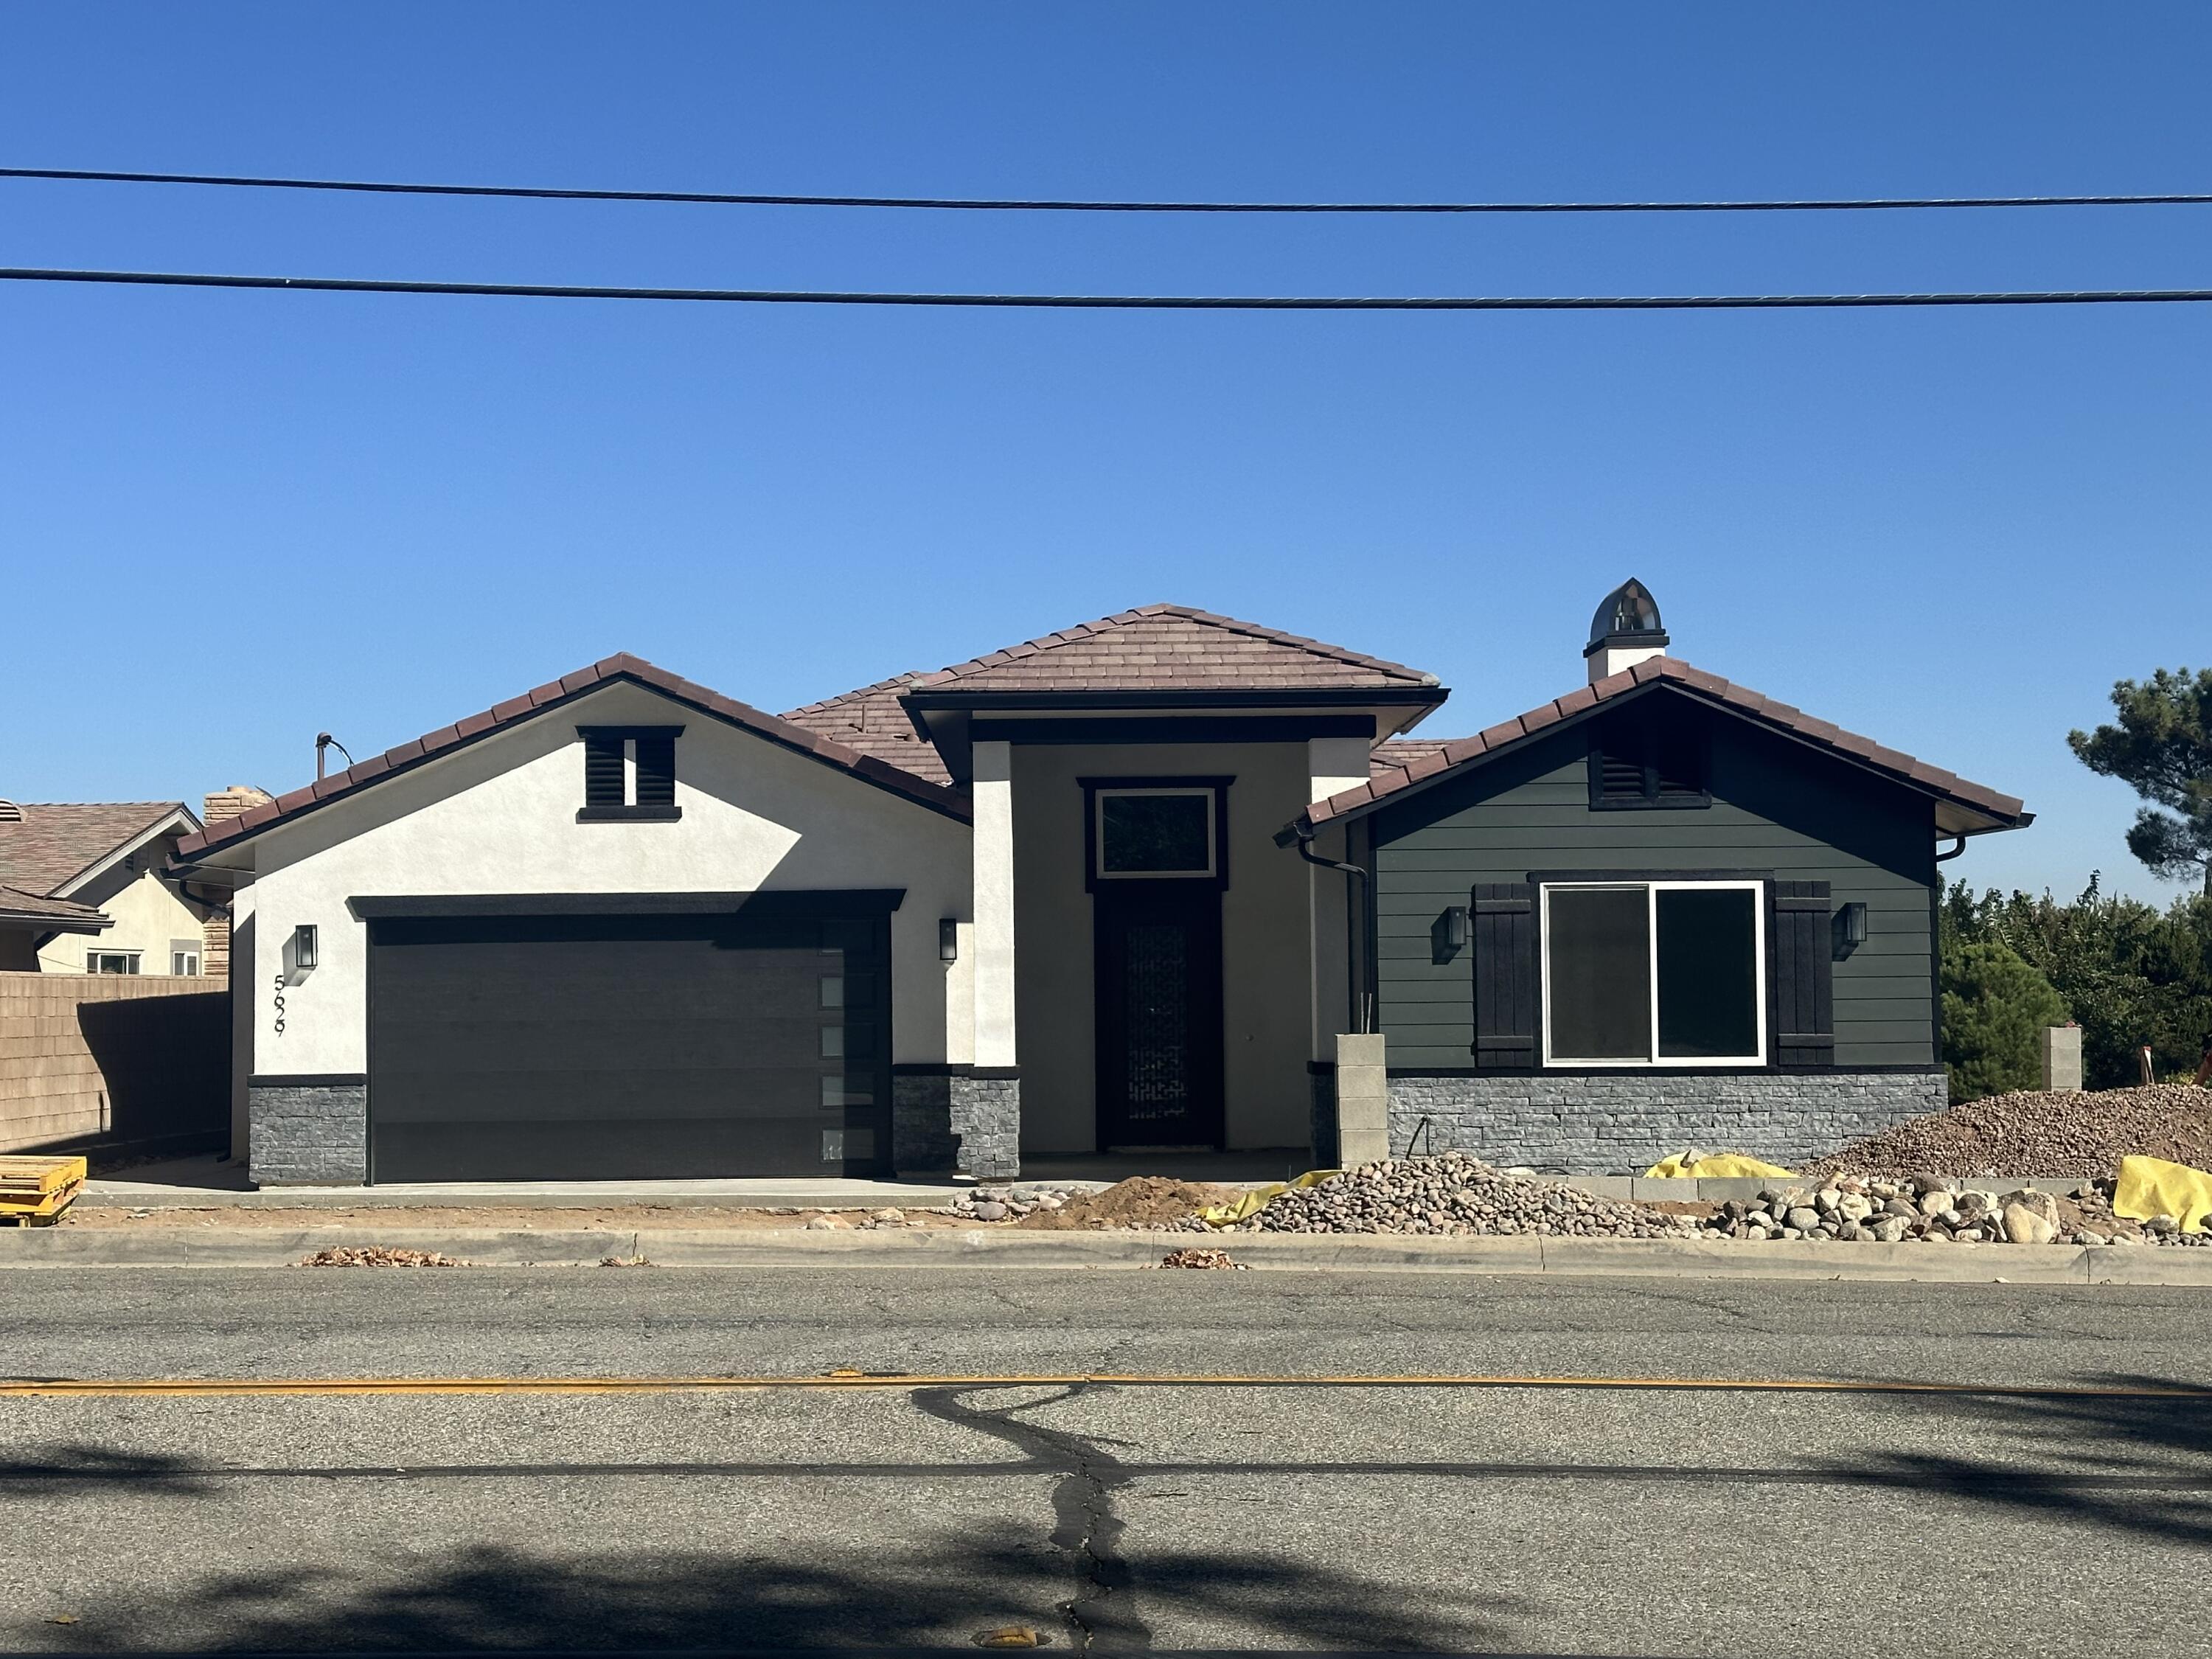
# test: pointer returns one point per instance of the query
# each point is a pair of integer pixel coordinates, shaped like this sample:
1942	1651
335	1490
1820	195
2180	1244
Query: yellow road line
226	1387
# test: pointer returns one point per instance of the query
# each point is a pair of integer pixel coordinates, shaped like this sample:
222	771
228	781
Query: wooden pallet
34	1191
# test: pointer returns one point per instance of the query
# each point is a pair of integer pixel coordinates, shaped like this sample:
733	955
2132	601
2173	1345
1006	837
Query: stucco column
1333	765
994	794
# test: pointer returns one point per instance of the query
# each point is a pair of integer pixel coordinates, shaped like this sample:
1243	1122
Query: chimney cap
1628	615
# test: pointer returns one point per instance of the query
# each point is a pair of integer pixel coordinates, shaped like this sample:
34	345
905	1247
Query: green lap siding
1778	808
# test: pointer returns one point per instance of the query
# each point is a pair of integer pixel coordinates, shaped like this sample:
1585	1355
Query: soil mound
2032	1132
1152	1201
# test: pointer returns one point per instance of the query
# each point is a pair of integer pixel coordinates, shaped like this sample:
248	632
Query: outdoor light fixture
1851	927
303	948
948	939
1448	934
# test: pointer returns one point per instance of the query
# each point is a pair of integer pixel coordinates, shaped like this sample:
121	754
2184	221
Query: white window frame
192	952
1652	888
1205	792
92	957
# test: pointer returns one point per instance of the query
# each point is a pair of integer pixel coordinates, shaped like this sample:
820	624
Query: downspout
1302	834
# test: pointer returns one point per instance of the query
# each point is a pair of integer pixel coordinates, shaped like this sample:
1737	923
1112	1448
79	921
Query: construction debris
2035	1132
1195	1257
378	1255
1140	1204
1455	1195
35	1191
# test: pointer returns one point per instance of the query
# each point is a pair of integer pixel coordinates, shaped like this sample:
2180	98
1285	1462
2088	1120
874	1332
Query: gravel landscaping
2034	1133
1932	1208
1457	1196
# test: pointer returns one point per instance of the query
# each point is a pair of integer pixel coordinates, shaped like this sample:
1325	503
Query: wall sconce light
1851	927
948	939
303	947
1448	934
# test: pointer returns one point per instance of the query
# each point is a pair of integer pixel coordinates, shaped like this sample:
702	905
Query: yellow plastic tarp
2151	1186
1714	1166
1251	1203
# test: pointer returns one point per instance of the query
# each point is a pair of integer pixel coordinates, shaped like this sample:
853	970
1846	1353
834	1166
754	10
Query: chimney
214	932
1624	632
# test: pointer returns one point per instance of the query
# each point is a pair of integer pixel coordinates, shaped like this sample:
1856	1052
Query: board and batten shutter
1804	976
1502	933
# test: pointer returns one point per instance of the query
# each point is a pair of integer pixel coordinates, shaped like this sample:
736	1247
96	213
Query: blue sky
230	519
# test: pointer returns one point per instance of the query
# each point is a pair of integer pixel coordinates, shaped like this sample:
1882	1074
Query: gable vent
9	812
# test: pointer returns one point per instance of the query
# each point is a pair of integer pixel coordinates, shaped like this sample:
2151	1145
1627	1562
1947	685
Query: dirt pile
1455	1195
1149	1203
2032	1132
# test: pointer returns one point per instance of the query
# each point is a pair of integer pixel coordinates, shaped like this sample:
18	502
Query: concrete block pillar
993	932
2062	1058
1363	1100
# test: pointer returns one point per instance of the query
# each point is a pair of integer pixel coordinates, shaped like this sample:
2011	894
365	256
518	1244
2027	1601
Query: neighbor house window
629	772
1152	834
184	957
111	961
1655	973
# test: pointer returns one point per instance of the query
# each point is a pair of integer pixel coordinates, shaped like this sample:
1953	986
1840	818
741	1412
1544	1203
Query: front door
1160	1014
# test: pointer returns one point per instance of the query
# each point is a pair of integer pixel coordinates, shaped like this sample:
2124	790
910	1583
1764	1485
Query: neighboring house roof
609	670
1172	648
1970	808
874	721
19	905
53	846
1393	753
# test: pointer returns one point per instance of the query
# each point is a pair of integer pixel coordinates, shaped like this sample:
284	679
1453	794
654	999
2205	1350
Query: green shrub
1995	1005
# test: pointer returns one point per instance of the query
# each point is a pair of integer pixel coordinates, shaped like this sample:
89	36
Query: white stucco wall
148	917
1267	990
499	817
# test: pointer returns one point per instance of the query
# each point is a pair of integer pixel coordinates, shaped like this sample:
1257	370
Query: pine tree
2161	747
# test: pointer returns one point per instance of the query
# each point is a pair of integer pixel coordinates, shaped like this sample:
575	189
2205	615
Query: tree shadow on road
940	1592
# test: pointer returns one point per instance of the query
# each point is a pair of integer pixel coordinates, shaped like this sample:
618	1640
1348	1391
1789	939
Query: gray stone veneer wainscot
948	1120
1625	1123
307	1132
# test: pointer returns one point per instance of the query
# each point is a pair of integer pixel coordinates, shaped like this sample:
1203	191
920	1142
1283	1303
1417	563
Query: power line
992	204
1130	301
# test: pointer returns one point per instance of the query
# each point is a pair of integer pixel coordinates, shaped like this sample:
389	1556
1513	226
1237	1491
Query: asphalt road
1517	1520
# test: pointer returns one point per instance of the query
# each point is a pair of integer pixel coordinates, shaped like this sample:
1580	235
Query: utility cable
993	204
1130	301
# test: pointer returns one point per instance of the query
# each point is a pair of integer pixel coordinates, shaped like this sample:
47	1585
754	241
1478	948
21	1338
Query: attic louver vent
9	812
1635	765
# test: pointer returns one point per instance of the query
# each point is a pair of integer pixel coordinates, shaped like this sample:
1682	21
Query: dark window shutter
1804	976
603	769
656	770
1502	933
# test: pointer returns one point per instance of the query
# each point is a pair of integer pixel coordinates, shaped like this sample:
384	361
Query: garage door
612	1047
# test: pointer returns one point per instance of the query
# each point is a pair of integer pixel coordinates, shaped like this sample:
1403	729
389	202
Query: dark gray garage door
600	1047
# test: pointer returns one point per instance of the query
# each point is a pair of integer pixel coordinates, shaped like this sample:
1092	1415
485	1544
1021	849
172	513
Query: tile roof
1172	648
1409	769
1392	754
19	904
606	671
56	842
874	721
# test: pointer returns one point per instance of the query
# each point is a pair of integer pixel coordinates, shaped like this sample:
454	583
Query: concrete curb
1008	1248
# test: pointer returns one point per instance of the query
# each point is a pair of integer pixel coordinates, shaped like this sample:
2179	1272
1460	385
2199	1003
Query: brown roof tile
56	842
1172	648
1393	767
622	666
19	904
874	721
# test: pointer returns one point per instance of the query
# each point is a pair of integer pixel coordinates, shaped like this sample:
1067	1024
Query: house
1120	888
82	893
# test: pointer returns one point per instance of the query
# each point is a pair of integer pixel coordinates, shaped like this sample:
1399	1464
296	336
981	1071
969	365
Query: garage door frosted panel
583	1048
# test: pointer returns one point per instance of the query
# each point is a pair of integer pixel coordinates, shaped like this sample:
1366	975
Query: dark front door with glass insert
1157	848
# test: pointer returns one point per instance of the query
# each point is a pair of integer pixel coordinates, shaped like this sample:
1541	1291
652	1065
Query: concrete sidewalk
676	1247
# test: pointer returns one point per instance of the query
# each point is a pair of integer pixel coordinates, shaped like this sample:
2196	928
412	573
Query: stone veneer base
301	1133
954	1120
1626	1123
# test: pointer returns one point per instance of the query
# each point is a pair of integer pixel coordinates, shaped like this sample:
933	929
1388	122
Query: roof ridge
1740	699
1076	631
623	665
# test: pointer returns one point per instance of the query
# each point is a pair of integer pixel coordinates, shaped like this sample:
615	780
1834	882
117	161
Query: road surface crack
1086	1524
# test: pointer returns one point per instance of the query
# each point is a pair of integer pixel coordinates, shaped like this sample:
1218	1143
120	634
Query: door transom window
1154	834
